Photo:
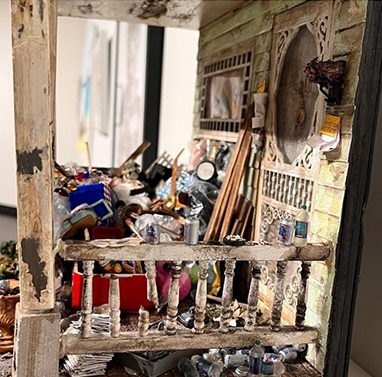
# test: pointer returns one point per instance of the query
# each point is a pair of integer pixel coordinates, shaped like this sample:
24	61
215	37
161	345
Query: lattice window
225	93
291	190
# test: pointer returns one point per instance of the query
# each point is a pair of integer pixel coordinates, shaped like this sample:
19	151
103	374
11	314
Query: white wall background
178	91
7	137
69	57
70	46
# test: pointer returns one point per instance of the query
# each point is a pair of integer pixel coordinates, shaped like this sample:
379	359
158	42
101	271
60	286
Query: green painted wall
252	25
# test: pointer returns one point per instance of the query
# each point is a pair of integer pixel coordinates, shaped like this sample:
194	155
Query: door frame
350	240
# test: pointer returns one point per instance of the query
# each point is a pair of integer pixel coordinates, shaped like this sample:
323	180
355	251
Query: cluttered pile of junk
164	203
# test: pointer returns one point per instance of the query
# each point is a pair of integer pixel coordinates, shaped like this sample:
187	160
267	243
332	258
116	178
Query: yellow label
331	125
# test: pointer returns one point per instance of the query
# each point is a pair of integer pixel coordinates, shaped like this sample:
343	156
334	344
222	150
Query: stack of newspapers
89	365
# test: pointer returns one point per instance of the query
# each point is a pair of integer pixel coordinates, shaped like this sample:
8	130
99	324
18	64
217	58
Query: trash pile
255	361
165	203
128	202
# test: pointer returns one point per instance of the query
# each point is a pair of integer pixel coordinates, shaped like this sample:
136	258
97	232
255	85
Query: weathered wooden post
34	24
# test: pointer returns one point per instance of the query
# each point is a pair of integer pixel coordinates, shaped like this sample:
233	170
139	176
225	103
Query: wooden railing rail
177	337
179	251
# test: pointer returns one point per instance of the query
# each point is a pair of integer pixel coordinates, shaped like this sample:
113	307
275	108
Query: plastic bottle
255	358
302	225
187	368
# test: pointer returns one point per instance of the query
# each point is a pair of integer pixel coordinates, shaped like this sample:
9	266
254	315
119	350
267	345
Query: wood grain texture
183	339
37	344
221	202
34	51
178	251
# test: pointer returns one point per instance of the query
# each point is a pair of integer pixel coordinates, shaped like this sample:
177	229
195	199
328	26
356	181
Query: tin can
152	233
191	231
286	230
300	347
288	354
232	361
277	349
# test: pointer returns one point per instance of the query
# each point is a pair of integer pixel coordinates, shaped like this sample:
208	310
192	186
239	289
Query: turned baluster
114	303
227	295
152	291
87	299
143	322
201	297
253	297
278	297
301	299
173	298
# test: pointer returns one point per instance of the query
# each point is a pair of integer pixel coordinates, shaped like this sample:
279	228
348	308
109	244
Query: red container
132	288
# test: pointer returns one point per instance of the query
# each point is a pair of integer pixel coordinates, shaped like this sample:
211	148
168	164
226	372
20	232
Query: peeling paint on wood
333	174
259	12
31	256
352	12
190	14
41	9
178	251
27	162
20	30
153	8
348	40
183	339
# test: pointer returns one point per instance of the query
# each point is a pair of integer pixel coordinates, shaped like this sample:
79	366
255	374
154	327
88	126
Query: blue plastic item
94	195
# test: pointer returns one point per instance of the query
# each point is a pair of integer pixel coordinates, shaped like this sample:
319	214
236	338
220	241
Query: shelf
178	251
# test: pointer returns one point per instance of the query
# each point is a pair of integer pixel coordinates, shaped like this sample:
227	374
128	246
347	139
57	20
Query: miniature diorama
223	266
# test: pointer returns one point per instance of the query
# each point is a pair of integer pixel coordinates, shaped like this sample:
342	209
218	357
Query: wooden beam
190	14
179	251
34	32
34	61
183	339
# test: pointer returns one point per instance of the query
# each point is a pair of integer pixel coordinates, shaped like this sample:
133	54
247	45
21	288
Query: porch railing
178	337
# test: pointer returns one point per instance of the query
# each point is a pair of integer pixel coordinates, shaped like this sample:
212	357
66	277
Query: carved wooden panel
296	110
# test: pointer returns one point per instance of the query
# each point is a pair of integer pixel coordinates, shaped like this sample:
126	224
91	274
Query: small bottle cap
304	206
